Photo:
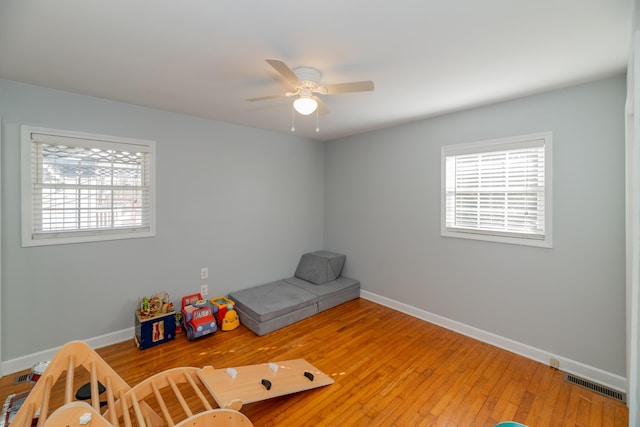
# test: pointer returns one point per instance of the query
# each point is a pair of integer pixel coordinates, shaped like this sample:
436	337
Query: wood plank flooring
390	369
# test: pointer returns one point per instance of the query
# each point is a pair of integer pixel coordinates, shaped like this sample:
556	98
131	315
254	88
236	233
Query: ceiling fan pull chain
293	119
317	121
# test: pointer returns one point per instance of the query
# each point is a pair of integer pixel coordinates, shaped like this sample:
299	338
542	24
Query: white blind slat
498	192
98	187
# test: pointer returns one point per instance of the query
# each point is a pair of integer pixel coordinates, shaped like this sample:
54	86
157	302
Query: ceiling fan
305	87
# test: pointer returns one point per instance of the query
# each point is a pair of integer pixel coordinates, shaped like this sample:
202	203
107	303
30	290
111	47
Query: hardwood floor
390	369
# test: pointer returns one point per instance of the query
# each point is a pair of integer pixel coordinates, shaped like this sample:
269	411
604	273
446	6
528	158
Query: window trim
91	140
500	145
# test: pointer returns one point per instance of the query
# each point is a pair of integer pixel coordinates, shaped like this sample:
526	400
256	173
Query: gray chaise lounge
317	285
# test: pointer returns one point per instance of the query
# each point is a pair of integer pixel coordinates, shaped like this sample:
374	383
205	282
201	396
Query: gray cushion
268	301
262	328
320	267
317	286
334	287
332	293
337	299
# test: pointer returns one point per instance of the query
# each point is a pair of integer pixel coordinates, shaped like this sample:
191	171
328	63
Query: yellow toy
227	316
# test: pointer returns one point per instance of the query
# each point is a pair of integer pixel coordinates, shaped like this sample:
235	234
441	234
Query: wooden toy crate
152	331
155	321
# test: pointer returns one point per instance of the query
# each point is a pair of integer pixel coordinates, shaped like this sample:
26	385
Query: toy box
155	330
155	321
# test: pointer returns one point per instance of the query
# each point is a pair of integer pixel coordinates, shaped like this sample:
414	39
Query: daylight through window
86	187
499	190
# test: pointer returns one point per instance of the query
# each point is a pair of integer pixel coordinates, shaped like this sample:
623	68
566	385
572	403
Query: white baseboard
566	365
25	362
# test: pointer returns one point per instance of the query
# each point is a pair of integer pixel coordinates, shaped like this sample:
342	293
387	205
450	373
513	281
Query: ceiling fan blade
362	86
284	70
279	95
322	107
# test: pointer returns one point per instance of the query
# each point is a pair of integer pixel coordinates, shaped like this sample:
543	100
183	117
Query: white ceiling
205	57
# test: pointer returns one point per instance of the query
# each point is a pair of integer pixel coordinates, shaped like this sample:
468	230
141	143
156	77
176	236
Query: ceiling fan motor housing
307	74
309	81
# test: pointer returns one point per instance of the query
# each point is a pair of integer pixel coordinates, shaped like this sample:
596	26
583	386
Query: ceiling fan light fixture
305	105
304	83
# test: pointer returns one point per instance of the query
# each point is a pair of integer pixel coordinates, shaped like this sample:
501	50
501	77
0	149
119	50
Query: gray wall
243	202
255	203
382	208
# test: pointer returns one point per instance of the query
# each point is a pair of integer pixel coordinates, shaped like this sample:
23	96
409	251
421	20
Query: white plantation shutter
85	188
498	188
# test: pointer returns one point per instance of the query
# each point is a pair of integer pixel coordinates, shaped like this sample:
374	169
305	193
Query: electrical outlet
204	273
204	290
554	363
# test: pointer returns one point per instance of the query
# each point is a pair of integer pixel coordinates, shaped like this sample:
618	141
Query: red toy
197	316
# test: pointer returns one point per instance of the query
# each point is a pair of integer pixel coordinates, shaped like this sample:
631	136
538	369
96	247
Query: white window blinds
497	189
83	187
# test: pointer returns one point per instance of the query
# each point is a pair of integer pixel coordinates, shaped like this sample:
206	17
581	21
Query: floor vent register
595	387
21	378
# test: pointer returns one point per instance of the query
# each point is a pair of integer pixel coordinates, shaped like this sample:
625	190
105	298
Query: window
498	190
81	187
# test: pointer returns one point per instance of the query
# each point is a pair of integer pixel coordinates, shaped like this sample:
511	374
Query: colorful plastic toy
156	305
178	317
198	316
11	406
227	316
